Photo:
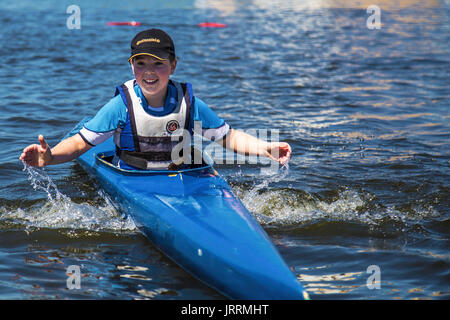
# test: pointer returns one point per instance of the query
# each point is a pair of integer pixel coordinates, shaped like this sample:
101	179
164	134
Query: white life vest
147	141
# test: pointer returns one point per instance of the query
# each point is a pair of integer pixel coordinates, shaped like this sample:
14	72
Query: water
365	111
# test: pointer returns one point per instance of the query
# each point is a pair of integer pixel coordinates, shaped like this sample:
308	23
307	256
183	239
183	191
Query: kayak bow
193	217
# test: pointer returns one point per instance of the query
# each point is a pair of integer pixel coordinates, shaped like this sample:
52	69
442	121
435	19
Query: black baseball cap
152	42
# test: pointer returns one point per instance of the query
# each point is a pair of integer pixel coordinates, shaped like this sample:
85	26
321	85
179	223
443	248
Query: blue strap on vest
123	91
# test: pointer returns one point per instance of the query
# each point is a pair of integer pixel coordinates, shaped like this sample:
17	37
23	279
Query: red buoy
123	23
212	25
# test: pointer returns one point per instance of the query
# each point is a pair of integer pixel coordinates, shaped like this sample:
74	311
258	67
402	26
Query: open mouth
149	81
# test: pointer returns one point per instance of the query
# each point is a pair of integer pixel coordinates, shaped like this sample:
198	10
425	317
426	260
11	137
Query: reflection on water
230	7
331	283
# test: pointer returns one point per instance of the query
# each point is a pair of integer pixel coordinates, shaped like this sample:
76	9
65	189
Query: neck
156	100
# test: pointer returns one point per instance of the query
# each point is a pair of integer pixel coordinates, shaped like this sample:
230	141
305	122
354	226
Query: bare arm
246	144
40	155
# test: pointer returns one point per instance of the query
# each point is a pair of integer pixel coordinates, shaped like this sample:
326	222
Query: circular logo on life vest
172	126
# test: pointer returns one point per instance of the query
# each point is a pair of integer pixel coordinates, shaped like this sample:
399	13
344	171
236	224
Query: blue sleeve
208	118
212	126
111	116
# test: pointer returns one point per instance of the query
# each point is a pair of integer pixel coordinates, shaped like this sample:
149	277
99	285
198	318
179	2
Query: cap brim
159	56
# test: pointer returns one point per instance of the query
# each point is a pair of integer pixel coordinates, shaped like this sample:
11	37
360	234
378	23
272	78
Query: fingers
42	142
288	153
30	154
284	152
27	151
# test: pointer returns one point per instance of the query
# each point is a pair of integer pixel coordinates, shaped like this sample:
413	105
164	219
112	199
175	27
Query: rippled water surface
366	112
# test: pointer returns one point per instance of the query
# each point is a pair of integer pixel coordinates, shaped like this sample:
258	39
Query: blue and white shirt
113	116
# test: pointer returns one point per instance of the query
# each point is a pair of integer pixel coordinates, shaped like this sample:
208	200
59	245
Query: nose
150	68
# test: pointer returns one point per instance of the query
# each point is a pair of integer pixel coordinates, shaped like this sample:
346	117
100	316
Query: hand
37	155
279	151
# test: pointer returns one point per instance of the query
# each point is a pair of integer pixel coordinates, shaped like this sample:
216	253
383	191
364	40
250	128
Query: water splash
289	206
61	212
40	180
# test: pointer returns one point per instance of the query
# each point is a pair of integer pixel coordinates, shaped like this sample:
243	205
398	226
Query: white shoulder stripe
95	138
216	133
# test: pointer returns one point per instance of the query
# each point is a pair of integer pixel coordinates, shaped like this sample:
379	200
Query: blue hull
193	217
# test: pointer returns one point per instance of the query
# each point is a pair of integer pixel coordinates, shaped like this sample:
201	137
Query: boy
145	116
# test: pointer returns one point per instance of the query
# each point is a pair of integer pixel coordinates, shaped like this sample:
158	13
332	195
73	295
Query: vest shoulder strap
124	92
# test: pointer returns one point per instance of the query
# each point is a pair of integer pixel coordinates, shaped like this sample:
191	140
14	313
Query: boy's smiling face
152	75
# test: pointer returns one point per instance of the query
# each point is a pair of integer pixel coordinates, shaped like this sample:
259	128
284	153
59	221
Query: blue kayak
192	216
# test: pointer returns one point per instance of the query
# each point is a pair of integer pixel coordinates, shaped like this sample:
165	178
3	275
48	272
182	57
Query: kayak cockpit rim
104	158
